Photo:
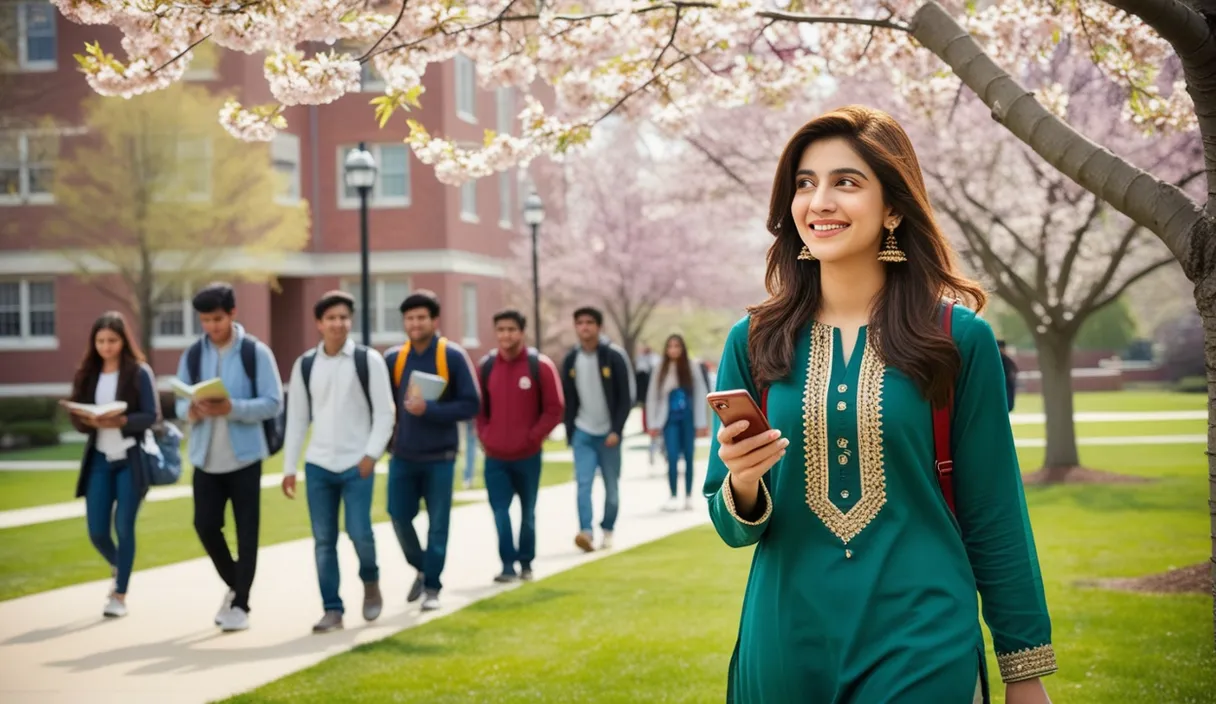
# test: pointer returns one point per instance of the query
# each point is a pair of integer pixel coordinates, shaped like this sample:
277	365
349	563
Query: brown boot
372	601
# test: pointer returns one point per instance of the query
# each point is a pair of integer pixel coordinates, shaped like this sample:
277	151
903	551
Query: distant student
423	463
522	403
228	441
676	410
342	391
113	369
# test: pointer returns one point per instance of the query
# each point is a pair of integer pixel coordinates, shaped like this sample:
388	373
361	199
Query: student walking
342	391
676	410
422	467
229	438
111	478
521	404
599	388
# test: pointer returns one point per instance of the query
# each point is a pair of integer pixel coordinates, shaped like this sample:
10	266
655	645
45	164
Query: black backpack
487	365
310	357
272	428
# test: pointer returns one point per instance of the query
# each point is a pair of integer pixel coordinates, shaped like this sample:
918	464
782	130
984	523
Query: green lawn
1120	401
68	452
657	623
48	555
1121	429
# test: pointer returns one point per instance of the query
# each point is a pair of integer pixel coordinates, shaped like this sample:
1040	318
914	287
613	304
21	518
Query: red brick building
423	234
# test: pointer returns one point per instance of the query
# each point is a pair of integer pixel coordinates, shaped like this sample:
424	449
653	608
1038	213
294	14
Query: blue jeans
591	454
327	492
110	484
408	484
680	438
470	451
504	480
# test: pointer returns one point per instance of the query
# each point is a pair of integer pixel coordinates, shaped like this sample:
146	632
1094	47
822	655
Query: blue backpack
163	449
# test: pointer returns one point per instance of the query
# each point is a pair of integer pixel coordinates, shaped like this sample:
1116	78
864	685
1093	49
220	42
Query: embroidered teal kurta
863	584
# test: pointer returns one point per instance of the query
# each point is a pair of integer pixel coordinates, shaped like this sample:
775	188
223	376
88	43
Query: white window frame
504	99
23	195
506	204
370	80
285	149
468	197
468	305
466	88
189	322
386	330
23	64
26	341
375	199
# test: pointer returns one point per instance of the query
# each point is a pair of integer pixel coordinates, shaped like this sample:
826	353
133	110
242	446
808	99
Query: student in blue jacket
422	467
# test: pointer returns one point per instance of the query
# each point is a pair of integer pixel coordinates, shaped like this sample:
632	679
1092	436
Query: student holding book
113	402
435	389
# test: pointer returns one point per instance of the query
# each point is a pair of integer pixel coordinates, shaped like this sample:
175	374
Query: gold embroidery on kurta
1027	663
868	408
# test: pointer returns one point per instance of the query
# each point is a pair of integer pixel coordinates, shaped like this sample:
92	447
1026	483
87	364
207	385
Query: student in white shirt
343	391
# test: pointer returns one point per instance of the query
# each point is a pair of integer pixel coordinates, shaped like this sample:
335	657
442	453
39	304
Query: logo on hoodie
525	383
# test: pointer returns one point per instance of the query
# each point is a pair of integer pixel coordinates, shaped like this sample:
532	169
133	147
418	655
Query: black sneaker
416	590
526	574
506	578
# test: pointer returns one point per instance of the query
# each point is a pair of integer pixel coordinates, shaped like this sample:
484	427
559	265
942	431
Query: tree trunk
1055	363
1207	310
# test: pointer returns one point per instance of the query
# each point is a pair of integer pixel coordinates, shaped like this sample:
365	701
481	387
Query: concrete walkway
55	647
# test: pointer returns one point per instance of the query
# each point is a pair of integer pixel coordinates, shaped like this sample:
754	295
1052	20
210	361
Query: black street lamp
360	173
534	215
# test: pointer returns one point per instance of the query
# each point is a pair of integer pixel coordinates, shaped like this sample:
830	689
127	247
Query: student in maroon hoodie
522	403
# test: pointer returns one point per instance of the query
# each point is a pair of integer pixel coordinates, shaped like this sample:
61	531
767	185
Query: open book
429	386
211	389
94	410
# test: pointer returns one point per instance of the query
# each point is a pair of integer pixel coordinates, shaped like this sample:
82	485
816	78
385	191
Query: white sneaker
225	605
688	503
672	504
114	608
606	542
234	619
431	602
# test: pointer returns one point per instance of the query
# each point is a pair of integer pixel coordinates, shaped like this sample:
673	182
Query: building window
466	88
392	187
468	201
175	323
370	80
387	295
285	156
468	302
27	166
188	168
205	64
505	98
27	314
27	30
505	202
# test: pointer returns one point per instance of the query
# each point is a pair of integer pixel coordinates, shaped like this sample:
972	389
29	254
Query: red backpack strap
941	428
764	401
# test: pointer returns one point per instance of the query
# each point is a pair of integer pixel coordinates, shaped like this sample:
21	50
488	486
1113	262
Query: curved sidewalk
56	647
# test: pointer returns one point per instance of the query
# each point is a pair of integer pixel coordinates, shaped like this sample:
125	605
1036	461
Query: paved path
55	647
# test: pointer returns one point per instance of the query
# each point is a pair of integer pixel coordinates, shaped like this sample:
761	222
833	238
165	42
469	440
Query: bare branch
721	164
182	53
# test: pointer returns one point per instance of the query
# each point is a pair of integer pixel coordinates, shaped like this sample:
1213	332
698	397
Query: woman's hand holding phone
748	460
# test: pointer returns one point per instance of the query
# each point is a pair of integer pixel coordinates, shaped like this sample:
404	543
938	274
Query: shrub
32	433
1192	385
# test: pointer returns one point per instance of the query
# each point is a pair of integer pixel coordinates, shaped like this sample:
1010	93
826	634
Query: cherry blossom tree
668	60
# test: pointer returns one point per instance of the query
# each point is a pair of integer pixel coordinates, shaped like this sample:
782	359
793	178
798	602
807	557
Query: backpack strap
364	381
306	362
941	427
403	352
194	361
249	360
441	359
534	370
487	366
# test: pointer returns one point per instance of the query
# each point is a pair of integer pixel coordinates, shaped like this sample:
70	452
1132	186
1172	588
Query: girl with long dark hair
113	477
864	577
675	409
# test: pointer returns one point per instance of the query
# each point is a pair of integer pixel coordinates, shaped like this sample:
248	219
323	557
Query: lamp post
534	215
360	173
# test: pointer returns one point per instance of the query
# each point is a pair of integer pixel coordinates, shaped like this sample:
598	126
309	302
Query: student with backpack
229	438
423	464
342	391
521	404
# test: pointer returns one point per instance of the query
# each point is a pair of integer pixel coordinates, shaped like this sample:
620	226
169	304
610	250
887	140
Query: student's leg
610	466
586	459
439	478
210	500
124	525
323	489
246	489
98	505
404	498
498	487
525	477
671	440
357	495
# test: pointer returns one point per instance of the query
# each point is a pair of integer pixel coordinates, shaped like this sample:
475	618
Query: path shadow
39	635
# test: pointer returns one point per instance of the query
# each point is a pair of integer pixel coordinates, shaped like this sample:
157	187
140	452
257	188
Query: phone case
734	406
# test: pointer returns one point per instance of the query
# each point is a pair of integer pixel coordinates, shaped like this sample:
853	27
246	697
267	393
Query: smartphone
736	405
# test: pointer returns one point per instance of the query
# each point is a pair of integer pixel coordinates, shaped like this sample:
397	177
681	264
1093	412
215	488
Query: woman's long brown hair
90	366
905	322
683	368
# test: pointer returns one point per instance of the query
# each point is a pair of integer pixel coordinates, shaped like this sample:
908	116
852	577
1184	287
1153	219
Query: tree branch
799	18
1074	247
1132	280
718	162
182	53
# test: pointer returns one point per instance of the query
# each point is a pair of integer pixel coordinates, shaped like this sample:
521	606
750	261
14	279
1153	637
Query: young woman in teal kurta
863	583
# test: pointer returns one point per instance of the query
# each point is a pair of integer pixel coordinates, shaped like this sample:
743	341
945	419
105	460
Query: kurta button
842	388
842	443
844	494
848	554
841	405
842	459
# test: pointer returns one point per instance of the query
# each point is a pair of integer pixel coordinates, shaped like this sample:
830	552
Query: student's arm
268	397
182	405
299	417
384	408
652	401
553	403
465	400
623	378
149	405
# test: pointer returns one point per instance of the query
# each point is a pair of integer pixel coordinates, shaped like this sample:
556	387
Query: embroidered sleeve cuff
729	498
1027	664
